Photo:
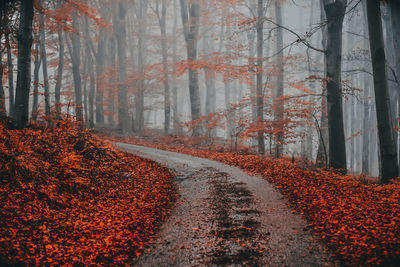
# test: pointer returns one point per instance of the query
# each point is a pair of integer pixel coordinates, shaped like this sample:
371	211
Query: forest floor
68	198
226	217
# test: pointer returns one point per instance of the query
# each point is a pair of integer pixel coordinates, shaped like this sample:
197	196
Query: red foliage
66	197
360	223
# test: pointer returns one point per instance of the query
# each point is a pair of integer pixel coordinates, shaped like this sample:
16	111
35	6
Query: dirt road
225	217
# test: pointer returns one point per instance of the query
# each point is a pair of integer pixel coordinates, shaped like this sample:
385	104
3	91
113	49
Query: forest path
226	217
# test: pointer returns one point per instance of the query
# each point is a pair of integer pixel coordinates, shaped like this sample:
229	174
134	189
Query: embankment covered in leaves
66	197
360	223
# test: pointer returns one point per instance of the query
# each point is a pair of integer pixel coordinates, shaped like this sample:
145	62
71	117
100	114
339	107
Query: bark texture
24	65
388	153
337	150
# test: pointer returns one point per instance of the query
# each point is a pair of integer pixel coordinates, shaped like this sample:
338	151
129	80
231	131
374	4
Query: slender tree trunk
24	65
112	80
76	63
100	55
123	118
177	129
92	90
85	76
337	149
279	103
11	98
3	112
366	131
260	84
36	70
60	70
388	153
208	46
323	144
228	88
92	79
191	20
43	55
167	98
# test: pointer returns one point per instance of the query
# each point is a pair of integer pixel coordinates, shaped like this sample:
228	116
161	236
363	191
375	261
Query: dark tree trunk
337	149
24	65
260	84
191	20
388	153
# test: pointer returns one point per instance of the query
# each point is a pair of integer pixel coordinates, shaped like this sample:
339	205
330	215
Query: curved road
225	217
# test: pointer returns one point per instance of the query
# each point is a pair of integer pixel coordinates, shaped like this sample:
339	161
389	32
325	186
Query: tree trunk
337	149
139	98
36	70
391	61
112	80
85	91
11	99
175	118
366	132
60	70
24	65
101	51
395	12
260	84
279	103
123	118
3	112
191	20
92	89
388	153
76	63
167	97
43	55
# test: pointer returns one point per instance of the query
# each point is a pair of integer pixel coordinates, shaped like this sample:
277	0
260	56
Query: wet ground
225	217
